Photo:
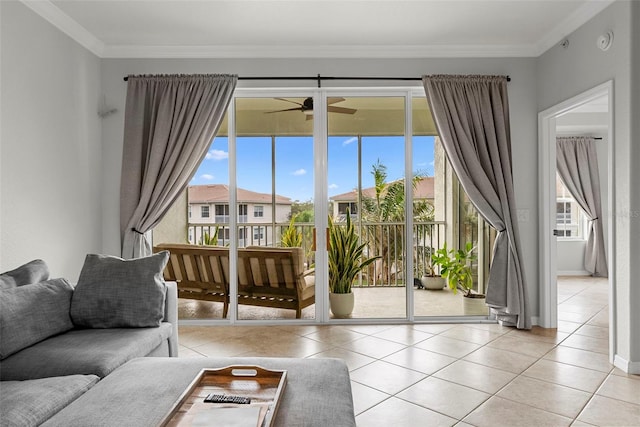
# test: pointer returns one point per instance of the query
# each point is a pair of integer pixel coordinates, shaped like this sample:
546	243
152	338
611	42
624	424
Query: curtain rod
319	78
586	136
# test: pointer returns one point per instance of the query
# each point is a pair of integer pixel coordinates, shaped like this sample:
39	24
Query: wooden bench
267	277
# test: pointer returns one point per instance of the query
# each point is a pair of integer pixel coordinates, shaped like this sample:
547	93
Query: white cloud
207	176
349	141
332	186
217	155
299	172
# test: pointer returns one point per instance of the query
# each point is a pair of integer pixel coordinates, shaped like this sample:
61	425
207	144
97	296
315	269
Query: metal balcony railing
384	239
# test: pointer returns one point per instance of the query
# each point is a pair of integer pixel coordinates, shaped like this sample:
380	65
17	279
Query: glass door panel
443	215
274	180
366	181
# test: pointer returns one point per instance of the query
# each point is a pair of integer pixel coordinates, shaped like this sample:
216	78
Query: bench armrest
171	316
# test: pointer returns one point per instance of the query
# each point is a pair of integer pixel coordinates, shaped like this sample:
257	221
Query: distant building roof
423	190
213	193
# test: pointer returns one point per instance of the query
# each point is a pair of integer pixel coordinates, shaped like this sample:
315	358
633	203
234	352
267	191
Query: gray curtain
577	163
472	117
170	121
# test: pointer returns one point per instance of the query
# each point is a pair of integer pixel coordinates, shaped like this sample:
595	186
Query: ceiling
317	28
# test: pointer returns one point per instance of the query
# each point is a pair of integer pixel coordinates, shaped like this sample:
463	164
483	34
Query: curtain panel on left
170	121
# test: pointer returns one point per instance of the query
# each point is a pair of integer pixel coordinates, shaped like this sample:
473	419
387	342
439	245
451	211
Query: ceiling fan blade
288	109
342	110
288	100
334	100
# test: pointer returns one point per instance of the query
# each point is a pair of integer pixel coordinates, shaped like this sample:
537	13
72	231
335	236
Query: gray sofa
94	376
47	360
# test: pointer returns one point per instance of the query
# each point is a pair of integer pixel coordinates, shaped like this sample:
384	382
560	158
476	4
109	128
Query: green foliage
345	256
302	211
291	237
455	266
210	240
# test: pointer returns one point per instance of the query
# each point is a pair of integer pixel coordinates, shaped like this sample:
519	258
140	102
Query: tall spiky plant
345	256
291	237
210	240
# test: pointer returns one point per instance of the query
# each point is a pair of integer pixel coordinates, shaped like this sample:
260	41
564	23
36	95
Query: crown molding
64	23
571	23
343	51
77	32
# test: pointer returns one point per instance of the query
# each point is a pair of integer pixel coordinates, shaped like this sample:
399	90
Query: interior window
570	218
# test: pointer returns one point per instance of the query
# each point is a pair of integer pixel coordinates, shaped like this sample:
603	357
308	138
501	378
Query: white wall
523	108
51	146
564	73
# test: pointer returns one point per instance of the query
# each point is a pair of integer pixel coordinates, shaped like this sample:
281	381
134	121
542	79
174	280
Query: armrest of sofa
171	316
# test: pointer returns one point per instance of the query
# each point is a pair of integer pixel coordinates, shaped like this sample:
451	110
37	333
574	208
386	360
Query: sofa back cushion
35	271
32	313
116	293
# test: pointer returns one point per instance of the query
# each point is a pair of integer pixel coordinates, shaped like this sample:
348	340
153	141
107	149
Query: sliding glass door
365	179
274	181
287	164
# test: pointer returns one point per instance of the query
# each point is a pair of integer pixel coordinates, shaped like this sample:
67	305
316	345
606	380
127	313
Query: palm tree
387	206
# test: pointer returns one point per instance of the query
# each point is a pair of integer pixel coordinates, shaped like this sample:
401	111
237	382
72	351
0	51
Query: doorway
590	113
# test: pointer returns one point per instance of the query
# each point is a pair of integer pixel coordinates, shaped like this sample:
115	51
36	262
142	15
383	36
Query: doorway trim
547	241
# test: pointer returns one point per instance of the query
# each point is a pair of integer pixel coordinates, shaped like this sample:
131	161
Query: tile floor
461	374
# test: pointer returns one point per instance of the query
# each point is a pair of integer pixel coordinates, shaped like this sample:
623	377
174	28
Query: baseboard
573	273
626	366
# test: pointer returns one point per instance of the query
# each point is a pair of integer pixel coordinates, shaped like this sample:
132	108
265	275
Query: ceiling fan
307	107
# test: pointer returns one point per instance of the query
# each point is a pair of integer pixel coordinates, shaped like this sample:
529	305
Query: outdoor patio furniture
267	277
202	272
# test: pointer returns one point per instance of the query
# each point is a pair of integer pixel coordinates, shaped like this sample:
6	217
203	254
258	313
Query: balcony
385	240
380	292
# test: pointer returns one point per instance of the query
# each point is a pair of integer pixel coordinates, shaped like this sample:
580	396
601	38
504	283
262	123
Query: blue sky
294	163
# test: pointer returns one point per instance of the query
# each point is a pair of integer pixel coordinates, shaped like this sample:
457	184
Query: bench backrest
205	267
261	270
270	271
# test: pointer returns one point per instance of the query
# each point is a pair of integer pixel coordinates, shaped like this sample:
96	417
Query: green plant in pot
430	280
345	263
455	267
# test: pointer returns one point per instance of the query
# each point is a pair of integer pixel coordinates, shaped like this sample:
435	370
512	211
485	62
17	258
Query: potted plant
455	267
345	263
430	280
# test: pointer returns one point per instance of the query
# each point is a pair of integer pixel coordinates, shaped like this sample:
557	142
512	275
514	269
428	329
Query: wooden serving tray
263	386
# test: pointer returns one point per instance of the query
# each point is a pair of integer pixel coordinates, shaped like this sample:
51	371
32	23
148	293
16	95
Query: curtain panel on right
472	117
577	163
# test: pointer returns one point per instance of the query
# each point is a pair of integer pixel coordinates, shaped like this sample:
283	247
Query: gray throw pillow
116	293
35	271
32	313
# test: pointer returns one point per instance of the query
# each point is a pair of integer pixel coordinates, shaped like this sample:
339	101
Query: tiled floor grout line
589	344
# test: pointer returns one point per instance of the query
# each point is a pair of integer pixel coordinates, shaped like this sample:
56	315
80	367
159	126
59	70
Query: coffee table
142	391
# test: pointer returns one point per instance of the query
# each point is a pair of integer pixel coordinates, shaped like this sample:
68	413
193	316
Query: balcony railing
385	239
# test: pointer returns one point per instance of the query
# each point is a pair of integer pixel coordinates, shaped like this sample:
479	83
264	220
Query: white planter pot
341	304
475	306
433	282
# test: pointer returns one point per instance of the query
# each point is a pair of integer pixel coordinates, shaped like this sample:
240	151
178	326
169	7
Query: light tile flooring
461	374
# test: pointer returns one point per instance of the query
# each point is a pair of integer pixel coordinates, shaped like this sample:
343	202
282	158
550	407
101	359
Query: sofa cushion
32	313
30	403
317	394
35	271
117	293
84	351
